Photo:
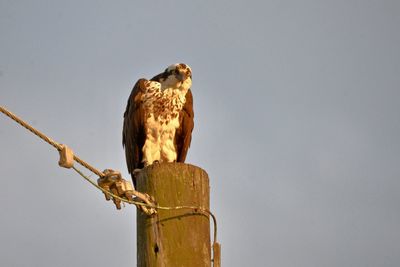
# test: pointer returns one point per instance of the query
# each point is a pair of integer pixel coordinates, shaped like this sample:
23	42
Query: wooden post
174	237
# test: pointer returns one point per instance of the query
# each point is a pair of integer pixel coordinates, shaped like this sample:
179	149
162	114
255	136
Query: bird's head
178	76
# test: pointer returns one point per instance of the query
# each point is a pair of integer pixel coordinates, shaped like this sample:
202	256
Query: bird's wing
183	135
133	134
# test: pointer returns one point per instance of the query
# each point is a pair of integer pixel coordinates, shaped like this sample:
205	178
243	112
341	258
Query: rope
48	140
139	195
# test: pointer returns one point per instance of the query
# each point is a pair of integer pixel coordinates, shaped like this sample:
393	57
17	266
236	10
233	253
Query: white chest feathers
162	109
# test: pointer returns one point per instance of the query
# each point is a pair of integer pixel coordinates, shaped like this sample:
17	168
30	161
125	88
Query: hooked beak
180	77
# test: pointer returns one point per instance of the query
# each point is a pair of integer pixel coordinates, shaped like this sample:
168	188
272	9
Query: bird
159	119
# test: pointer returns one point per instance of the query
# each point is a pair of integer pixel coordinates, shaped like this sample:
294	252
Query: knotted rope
61	147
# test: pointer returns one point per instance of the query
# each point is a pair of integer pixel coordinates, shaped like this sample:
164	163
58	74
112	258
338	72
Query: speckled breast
163	105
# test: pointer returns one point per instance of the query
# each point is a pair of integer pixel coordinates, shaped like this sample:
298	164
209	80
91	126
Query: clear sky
296	122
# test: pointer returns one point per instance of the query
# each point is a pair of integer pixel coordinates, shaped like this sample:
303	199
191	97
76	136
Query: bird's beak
180	77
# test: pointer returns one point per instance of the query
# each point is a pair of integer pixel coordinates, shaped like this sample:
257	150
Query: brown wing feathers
133	135
183	135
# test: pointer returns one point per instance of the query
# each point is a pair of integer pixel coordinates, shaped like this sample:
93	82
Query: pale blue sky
296	121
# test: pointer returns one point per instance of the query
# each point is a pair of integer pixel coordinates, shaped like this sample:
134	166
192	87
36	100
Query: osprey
158	120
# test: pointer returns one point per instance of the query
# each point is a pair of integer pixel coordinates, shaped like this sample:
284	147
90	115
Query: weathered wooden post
174	237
